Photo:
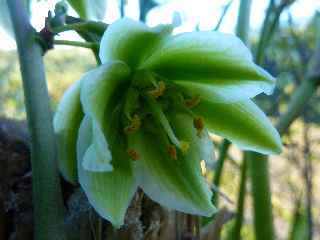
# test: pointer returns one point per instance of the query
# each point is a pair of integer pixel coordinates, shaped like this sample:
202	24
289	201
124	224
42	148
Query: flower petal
108	192
176	184
66	124
210	61
242	123
99	92
130	41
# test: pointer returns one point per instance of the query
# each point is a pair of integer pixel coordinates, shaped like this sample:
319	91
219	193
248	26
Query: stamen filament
158	114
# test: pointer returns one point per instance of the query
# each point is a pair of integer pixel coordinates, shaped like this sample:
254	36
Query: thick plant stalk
47	198
260	188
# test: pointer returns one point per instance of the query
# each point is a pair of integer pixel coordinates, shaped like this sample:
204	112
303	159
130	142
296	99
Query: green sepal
66	124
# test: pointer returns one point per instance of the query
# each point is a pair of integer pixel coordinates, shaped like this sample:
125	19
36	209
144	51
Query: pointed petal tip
278	147
268	84
275	146
117	220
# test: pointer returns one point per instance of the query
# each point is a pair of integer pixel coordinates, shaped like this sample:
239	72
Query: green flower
141	118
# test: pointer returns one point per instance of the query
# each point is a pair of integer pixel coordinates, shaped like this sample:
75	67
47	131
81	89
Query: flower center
148	100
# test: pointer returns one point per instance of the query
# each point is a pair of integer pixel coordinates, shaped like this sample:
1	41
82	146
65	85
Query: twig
223	14
89	45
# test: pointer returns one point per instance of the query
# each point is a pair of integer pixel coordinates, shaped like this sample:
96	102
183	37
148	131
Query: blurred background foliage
287	58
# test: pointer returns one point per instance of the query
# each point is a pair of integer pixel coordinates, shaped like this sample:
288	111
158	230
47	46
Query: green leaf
66	124
210	63
89	9
108	192
98	97
176	184
242	123
130	41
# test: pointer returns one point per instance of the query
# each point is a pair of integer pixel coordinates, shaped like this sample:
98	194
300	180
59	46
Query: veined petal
130	41
176	184
210	61
66	124
98	97
242	123
109	193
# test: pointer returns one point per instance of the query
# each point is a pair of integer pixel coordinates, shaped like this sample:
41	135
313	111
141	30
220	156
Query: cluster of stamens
157	93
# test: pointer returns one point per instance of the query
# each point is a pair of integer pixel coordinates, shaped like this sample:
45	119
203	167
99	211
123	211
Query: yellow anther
159	90
133	154
134	125
172	151
184	147
194	101
198	124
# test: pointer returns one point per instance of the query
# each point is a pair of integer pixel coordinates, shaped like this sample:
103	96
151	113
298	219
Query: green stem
96	27
260	188
223	150
47	200
269	26
243	23
89	45
224	12
236	231
297	102
265	31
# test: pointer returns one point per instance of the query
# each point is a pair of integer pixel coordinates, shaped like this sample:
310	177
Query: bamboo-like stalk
47	198
261	194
